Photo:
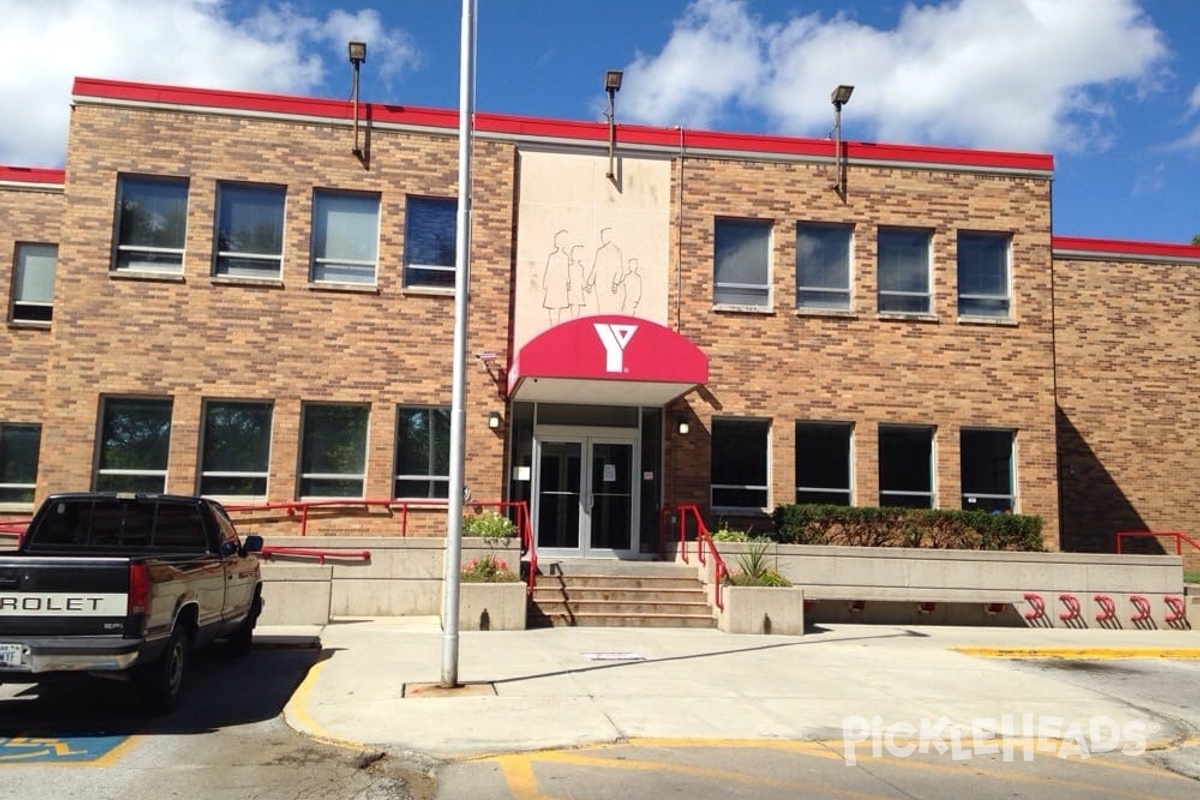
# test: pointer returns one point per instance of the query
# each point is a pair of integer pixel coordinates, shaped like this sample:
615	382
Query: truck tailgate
63	596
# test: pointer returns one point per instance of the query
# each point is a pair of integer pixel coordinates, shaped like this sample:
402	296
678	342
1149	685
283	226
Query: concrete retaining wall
957	585
402	578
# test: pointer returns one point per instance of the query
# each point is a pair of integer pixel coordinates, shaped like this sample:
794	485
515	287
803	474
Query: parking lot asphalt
377	684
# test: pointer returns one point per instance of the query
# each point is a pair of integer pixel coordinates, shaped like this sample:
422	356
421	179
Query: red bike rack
1072	604
1143	608
1039	606
1108	609
1178	610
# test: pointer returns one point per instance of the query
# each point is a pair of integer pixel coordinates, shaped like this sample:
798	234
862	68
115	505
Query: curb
1083	653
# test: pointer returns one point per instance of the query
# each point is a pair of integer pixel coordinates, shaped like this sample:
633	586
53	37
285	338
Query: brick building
218	295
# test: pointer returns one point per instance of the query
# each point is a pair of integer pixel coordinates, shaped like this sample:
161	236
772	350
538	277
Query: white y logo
614	338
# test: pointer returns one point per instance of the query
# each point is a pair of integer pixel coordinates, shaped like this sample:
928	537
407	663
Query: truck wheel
160	683
241	640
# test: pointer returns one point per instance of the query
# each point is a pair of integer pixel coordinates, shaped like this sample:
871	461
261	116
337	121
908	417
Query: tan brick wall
863	368
1128	360
291	343
26	216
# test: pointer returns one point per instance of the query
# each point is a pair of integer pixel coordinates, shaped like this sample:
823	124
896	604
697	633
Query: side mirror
252	544
228	548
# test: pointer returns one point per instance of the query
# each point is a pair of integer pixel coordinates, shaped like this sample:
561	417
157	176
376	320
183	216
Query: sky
1111	88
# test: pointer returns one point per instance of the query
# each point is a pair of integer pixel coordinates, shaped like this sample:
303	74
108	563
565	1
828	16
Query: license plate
10	655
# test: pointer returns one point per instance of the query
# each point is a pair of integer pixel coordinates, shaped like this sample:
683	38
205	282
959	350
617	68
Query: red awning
607	360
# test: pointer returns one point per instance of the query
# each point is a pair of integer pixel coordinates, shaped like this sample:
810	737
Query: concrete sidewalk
375	684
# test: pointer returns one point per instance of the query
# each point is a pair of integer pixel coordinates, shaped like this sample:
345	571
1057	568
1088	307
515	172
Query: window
906	466
422	452
987	470
983	289
19	445
345	237
249	231
33	282
823	463
152	224
334	451
430	231
904	270
739	463
822	266
742	258
135	436
236	448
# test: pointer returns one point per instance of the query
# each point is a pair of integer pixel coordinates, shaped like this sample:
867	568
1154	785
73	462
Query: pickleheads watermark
1007	736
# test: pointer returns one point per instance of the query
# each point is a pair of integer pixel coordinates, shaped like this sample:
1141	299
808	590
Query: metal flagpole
462	265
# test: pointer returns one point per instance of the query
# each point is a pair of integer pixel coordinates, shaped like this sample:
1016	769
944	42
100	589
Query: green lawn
1191	577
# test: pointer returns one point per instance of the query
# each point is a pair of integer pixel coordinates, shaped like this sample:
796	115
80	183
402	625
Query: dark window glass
423	452
237	448
906	466
822	266
250	231
987	470
430	241
33	282
334	451
135	437
983	275
19	447
739	463
823	463
152	224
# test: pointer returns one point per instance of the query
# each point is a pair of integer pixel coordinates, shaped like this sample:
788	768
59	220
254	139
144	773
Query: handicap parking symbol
35	749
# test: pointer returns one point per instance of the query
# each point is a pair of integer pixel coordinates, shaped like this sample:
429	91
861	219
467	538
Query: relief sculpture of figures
556	281
575	282
604	282
631	288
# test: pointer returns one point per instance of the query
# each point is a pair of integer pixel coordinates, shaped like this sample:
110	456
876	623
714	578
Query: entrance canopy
607	360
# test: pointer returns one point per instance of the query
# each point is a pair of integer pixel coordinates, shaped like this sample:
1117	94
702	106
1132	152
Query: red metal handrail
705	546
1178	536
302	507
319	554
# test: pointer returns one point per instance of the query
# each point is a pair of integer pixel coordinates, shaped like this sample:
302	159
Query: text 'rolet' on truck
126	586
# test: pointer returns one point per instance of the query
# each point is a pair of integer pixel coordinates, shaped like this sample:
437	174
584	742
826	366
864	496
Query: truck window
180	528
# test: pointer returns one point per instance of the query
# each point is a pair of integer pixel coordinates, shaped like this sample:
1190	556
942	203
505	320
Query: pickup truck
126	586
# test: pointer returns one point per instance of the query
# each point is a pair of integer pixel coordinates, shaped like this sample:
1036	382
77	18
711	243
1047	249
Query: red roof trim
32	175
1118	247
556	129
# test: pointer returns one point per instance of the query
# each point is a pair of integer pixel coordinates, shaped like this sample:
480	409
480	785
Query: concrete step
619	581
582	606
646	594
598	620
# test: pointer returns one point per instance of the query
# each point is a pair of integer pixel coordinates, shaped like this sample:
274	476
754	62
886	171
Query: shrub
488	525
755	570
945	529
487	569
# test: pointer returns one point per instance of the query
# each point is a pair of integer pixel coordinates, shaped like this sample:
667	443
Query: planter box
763	610
491	606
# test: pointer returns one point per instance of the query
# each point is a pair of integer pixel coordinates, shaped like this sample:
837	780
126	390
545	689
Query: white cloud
1023	74
45	45
1194	102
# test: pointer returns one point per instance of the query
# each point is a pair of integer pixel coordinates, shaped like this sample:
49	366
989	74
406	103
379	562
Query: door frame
585	436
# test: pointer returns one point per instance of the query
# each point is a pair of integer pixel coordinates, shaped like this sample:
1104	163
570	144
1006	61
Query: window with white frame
823	463
903	268
987	469
983	275
430	241
235	452
906	466
345	237
422	452
135	438
823	266
742	262
739	463
33	282
152	224
249	231
19	446
333	450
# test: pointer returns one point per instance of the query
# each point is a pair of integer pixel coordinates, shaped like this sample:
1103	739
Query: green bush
942	529
755	570
488	569
488	525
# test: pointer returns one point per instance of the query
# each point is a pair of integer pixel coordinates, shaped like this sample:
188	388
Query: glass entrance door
585	498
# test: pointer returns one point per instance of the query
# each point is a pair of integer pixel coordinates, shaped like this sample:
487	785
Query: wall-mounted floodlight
612	85
839	98
494	419
358	54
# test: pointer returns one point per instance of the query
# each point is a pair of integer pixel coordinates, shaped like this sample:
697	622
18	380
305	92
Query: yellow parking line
296	712
1082	653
